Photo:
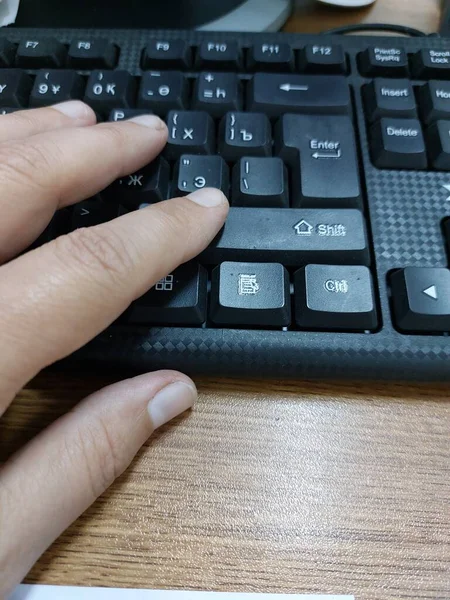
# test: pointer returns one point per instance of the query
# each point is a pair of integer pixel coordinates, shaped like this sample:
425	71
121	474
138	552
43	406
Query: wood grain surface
270	486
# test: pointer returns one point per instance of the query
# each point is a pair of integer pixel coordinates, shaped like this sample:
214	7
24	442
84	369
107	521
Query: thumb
74	460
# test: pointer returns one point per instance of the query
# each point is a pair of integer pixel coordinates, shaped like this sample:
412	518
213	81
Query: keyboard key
163	91
431	64
250	294
260	182
177	299
219	55
40	53
294	237
435	101
398	144
245	134
196	172
326	58
15	87
90	54
421	299
7	53
384	62
334	297
438	144
107	89
146	186
271	57
55	86
275	94
217	93
92	212
322	155
165	54
123	114
389	98
190	132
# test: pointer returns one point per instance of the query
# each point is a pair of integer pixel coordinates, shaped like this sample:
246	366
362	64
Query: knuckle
96	248
27	163
101	455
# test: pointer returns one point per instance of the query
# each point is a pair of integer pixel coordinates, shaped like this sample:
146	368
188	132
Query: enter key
321	152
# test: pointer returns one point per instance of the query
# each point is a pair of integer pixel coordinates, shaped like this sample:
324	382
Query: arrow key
421	299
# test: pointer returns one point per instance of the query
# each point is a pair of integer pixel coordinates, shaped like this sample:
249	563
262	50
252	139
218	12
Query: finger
56	298
70	464
57	168
25	123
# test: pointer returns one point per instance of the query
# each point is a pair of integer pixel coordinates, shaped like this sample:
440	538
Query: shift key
291	236
323	160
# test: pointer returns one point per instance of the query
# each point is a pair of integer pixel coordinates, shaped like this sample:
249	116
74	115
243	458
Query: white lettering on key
3	88
135	180
188	134
84	45
164	46
56	89
164	90
43	88
97	89
246	135
31	44
111	89
401	132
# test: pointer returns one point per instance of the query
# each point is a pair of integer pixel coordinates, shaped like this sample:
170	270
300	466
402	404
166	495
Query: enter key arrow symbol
431	292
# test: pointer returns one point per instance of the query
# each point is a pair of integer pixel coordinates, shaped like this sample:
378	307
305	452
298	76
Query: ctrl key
421	299
334	297
398	144
254	294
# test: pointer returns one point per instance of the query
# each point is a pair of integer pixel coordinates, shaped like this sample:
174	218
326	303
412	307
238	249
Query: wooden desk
271	487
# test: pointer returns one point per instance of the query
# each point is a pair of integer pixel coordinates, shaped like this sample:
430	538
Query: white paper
8	11
54	592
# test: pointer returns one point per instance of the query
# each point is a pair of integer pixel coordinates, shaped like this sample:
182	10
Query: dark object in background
140	14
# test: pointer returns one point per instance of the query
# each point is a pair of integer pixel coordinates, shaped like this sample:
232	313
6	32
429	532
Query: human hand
56	298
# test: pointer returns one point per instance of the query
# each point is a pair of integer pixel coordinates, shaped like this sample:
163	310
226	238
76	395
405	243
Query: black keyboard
335	155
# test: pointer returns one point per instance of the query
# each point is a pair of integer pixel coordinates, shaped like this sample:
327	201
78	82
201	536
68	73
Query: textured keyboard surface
335	154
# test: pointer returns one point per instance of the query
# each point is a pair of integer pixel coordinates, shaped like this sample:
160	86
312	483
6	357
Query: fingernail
208	197
151	121
74	109
170	402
